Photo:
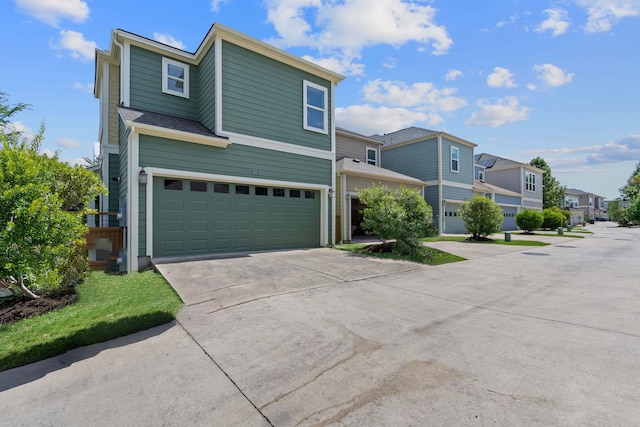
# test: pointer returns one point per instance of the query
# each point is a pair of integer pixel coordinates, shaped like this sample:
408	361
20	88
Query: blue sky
523	78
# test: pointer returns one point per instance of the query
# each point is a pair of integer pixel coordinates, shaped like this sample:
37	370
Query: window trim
165	78
530	184
305	105
481	176
457	159
375	152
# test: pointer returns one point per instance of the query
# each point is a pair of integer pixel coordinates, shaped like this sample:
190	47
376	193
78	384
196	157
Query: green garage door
197	217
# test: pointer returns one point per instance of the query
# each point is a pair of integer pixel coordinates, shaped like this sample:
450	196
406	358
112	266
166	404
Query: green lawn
432	256
493	241
107	307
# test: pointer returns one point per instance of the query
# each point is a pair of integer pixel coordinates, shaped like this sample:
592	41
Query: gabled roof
356	167
357	135
163	125
578	192
415	134
490	188
491	162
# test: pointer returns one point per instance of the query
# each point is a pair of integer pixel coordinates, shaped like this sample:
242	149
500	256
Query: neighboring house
357	167
521	178
572	204
593	207
227	149
443	161
509	201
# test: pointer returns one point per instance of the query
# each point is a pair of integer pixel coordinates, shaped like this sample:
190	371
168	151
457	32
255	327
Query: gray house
357	167
230	148
592	206
445	163
520	178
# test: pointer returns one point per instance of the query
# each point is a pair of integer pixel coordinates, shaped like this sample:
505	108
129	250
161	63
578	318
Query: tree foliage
529	220
7	111
400	214
43	202
482	216
552	191
553	218
631	189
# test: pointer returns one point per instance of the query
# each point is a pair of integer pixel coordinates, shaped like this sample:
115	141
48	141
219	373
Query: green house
227	149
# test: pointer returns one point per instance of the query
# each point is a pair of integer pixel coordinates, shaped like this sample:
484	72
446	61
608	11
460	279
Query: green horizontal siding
455	193
124	159
207	96
465	172
418	160
263	98
510	200
146	87
235	160
431	197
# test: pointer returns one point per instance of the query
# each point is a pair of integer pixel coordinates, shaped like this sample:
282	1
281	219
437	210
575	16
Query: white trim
458	185
180	174
162	132
441	201
509	205
305	105
267	144
481	176
366	155
451	159
125	92
218	83
104	105
333	166
530	199
531	184
165	78
132	209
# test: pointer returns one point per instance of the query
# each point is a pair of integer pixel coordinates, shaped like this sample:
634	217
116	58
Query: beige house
358	166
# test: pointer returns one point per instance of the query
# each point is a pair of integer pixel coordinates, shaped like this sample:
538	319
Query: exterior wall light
142	176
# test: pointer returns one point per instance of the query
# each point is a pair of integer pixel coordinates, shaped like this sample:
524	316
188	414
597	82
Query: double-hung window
175	78
529	181
455	159
372	156
315	101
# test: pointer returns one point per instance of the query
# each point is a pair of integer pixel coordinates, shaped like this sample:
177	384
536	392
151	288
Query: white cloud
18	126
75	43
85	87
215	5
369	120
330	26
501	77
552	75
422	95
346	65
452	74
69	143
505	110
53	11
603	14
169	40
512	19
532	86
557	22
389	63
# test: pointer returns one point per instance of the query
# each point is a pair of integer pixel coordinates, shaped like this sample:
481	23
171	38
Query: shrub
529	220
482	216
400	214
553	218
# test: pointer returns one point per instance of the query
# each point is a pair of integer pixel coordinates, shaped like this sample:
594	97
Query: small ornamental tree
400	214
553	218
482	217
634	210
529	220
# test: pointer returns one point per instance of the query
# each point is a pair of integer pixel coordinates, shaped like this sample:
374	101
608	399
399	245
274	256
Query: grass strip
463	239
430	256
108	307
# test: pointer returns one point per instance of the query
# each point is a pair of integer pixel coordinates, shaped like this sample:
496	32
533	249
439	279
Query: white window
315	107
455	159
175	78
372	156
529	181
480	176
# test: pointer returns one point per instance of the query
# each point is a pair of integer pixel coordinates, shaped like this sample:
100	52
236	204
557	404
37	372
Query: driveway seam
225	373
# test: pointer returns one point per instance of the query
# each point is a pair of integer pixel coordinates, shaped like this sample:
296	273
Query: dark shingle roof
165	121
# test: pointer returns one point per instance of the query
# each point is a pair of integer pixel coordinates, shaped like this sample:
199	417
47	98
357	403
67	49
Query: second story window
175	78
315	107
529	181
372	156
480	176
455	159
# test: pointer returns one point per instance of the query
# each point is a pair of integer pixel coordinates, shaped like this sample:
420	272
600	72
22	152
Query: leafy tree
482	217
553	218
42	207
7	111
400	214
529	220
631	189
621	216
634	210
552	192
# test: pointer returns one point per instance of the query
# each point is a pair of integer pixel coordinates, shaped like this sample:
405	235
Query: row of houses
235	148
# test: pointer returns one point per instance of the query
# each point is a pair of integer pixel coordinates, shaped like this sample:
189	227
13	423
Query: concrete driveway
540	336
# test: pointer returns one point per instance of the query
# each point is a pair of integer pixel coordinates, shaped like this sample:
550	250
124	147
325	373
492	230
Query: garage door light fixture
142	176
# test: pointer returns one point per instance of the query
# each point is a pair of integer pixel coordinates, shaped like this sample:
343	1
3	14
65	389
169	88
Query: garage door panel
188	220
